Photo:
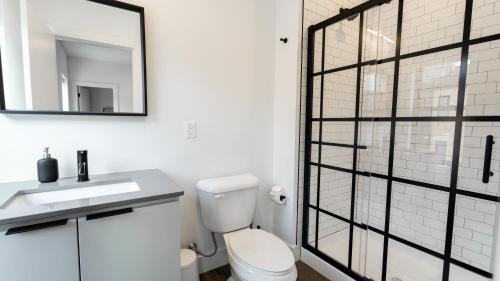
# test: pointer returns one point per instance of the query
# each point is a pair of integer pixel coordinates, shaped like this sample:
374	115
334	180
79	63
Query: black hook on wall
284	40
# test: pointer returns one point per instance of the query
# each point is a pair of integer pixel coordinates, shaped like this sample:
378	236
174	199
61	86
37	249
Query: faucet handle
82	165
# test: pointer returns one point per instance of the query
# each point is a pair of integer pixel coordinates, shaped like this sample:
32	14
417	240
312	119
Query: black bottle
48	171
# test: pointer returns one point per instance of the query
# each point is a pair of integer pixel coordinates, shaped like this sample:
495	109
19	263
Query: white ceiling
96	52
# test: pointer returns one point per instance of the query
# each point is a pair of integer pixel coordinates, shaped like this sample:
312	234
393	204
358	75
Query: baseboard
322	267
218	260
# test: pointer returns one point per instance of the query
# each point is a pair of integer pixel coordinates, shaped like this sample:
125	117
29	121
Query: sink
24	199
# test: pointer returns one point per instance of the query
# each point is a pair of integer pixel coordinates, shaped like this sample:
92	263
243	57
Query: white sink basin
41	198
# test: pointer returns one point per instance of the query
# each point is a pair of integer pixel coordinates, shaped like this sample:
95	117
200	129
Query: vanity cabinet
40	252
131	244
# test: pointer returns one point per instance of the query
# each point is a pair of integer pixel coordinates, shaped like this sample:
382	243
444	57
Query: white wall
208	61
85	70
286	112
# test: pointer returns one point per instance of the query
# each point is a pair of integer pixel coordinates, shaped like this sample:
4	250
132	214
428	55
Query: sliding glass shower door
403	111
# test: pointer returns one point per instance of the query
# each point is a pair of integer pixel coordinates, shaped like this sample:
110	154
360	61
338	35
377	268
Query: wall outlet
190	130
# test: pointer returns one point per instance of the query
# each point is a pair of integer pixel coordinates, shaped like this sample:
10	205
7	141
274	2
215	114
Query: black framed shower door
447	129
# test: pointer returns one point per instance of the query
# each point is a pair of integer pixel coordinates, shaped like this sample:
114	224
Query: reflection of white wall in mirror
103	73
64	92
83	101
11	53
95	90
63	76
41	70
66	22
100	99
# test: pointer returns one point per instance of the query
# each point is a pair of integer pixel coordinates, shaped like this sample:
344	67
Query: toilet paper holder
278	194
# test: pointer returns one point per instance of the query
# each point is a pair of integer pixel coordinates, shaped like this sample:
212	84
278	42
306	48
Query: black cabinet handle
109	214
34	227
487	173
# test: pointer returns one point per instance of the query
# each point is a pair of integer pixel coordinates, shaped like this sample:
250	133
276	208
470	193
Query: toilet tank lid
228	184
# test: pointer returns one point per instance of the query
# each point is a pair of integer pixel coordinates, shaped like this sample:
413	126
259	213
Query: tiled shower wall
428	86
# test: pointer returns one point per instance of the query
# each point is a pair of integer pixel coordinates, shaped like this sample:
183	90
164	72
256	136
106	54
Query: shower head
351	18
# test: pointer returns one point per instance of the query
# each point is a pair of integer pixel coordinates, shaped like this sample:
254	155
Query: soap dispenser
48	170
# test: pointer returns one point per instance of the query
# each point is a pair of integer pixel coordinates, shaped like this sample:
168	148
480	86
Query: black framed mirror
72	57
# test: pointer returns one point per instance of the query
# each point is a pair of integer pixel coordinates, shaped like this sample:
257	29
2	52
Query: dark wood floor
305	274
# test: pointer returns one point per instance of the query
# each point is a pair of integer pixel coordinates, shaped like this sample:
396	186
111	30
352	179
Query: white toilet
228	206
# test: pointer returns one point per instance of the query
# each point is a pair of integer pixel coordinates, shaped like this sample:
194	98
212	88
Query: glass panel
311	234
408	264
333	238
419	215
318	49
459	274
485	18
423	151
316	97
339	94
380	32
376	136
473	147
474	232
315	131
367	253
428	85
342	44
335	195
313	186
314	153
338	132
340	157
371	194
431	23
483	80
376	90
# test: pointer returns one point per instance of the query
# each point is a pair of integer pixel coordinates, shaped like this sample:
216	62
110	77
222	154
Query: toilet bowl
227	207
256	255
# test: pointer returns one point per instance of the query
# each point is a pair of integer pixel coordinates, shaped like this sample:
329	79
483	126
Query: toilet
227	207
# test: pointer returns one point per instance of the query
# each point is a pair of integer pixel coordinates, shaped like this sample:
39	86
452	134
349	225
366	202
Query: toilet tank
228	203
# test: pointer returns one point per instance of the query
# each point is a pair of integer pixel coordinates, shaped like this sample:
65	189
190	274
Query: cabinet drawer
43	252
131	244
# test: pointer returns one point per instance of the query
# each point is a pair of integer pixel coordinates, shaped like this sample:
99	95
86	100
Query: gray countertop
154	185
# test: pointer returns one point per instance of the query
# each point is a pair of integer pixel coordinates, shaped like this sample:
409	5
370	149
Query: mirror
72	57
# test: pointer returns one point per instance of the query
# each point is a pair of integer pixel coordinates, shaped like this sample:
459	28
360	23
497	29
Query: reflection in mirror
73	56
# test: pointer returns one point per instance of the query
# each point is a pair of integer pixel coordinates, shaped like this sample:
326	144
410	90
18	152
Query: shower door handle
487	173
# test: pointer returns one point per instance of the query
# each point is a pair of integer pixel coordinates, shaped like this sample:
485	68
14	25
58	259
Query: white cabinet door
142	245
40	252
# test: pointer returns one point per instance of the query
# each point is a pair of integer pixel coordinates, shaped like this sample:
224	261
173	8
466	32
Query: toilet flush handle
218	196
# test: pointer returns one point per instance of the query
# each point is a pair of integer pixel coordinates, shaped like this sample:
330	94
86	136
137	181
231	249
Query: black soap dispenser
48	170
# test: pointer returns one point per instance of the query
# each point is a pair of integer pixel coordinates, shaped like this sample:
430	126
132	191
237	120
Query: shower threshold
404	263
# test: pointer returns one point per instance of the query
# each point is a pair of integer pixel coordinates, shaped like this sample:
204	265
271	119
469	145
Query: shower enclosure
402	172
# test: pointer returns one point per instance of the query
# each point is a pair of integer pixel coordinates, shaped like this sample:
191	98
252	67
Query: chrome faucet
83	166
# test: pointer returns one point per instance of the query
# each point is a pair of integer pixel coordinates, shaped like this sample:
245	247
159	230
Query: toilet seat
258	255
